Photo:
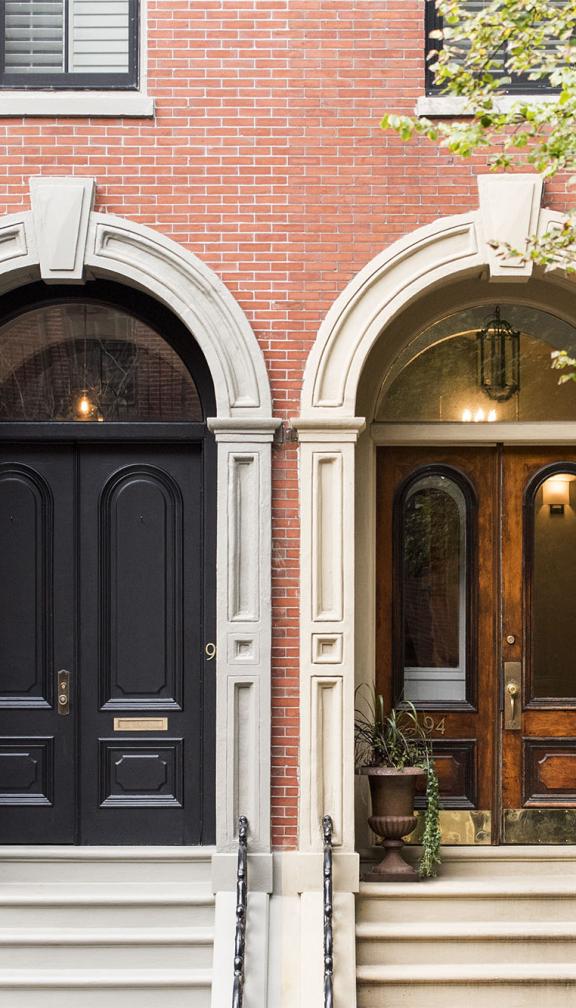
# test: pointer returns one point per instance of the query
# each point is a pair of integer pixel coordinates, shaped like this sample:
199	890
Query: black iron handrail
241	905
328	903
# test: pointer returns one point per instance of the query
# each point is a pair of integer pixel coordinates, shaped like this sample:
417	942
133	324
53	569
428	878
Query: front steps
94	927
499	925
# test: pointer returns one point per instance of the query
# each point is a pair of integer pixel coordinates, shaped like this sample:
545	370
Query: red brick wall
266	159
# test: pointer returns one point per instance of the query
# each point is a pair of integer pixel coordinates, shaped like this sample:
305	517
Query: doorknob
63	691
512	676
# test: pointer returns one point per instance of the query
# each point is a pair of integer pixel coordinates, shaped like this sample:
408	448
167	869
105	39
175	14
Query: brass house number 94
435	726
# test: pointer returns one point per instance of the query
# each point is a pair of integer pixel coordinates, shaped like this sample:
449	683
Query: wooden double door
106	714
476	625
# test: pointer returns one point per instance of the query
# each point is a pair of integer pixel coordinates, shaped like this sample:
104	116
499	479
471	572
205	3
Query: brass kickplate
140	724
472	827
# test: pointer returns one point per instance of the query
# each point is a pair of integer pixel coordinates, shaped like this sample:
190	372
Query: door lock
512	691
63	691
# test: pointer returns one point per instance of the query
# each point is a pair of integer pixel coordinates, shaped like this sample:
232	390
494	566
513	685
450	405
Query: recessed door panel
37	639
141	590
142	774
26	771
26	587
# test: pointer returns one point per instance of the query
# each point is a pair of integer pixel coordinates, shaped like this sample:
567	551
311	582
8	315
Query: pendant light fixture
498	358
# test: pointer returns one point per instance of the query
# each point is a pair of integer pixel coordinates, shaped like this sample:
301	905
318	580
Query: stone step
101	948
535	899
474	942
142	865
77	988
508	862
95	906
502	985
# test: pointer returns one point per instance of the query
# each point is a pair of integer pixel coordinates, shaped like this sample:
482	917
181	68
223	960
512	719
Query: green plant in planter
398	740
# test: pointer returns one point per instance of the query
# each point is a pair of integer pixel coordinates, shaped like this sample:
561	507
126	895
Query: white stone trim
87	245
446	250
61	213
327	610
243	637
523	433
100	104
449	106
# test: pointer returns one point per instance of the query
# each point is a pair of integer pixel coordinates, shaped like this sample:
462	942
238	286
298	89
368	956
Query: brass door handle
63	691
512	675
512	690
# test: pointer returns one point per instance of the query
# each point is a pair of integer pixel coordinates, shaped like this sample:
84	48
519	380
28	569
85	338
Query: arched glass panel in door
84	361
433	600
551	569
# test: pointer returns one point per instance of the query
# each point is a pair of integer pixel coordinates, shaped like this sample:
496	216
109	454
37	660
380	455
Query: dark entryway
107	699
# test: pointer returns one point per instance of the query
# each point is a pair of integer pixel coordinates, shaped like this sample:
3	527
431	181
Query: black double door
105	711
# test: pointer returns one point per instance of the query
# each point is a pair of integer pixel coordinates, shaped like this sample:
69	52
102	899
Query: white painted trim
473	433
134	104
437	106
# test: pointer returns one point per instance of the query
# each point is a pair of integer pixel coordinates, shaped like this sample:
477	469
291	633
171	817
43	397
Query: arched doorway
437	270
107	528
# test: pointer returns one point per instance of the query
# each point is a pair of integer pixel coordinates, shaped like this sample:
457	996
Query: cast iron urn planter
392	794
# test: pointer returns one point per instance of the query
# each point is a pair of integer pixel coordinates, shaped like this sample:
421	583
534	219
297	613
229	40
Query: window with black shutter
60	44
519	84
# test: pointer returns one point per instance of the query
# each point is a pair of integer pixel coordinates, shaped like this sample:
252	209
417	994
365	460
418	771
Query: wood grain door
437	607
539	644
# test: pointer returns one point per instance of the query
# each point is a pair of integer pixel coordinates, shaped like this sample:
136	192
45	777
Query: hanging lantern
498	358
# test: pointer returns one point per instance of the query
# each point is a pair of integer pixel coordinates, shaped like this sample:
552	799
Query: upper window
69	44
518	84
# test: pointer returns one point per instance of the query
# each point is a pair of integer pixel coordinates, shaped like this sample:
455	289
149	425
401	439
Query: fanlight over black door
106	596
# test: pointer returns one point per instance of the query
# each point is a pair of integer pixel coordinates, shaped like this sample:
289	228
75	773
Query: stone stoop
103	926
498	926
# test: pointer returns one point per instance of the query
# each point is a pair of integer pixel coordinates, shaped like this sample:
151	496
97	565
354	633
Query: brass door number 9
210	651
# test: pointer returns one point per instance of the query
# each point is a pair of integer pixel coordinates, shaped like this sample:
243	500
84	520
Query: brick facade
266	160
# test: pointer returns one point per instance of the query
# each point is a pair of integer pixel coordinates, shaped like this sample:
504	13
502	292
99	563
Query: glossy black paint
108	572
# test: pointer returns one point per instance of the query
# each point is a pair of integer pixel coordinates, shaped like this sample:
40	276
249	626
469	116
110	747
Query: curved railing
241	905
328	902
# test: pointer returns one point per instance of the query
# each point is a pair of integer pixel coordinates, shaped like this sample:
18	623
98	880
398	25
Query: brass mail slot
140	724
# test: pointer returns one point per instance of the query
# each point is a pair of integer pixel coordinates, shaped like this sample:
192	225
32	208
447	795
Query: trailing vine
431	836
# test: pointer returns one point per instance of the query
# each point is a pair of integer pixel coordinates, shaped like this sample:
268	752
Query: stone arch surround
62	240
337	459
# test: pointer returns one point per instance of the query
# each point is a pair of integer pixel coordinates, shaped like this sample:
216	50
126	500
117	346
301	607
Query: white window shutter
99	36
34	39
